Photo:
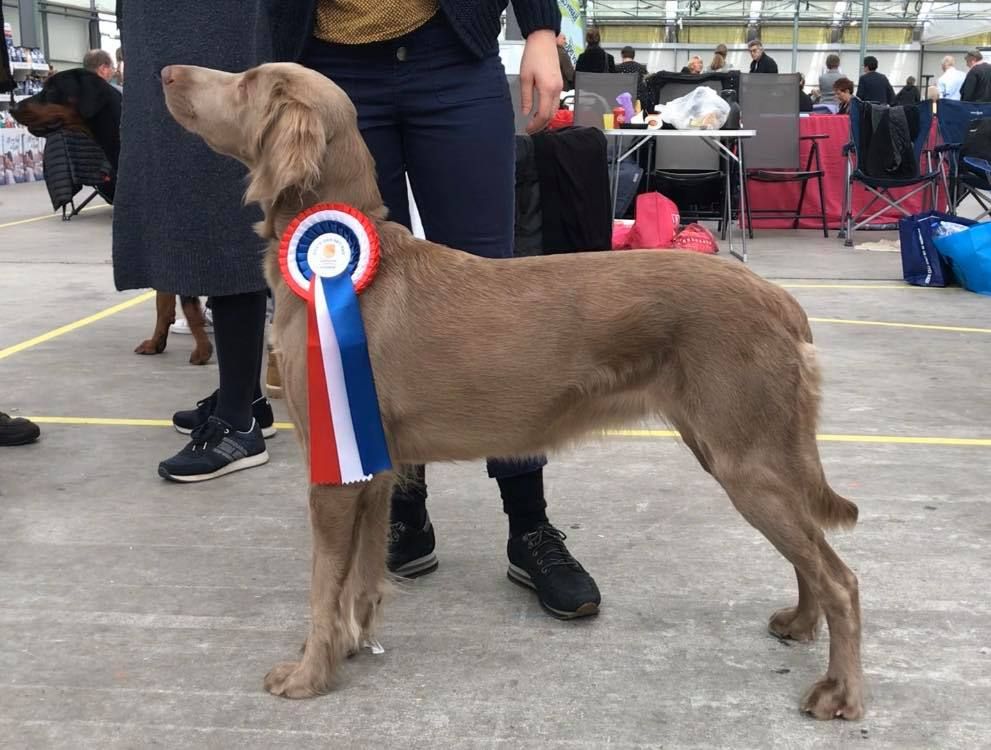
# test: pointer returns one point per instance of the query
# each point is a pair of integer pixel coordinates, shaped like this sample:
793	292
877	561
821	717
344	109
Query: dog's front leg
193	310
340	592
164	317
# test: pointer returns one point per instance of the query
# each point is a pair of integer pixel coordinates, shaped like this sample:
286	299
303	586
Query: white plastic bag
702	109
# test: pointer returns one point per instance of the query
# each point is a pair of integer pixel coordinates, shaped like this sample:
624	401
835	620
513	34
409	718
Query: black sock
409	499
239	332
523	501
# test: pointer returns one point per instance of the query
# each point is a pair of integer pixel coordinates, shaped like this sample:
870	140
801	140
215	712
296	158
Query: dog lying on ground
80	100
600	339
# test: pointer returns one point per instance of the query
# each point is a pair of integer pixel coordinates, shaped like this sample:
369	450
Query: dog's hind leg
776	507
203	349
801	622
164	317
339	597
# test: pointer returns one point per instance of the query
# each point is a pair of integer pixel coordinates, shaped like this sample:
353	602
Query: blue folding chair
962	179
881	187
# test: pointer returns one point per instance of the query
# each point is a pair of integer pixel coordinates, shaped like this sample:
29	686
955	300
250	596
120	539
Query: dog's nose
168	75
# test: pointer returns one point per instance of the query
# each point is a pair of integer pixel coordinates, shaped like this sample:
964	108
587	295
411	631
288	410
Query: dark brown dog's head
71	99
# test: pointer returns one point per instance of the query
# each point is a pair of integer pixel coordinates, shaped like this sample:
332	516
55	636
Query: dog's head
293	128
71	99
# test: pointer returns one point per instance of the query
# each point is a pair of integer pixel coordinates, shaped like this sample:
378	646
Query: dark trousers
429	108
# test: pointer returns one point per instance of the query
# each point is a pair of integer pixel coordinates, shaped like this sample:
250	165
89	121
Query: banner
573	26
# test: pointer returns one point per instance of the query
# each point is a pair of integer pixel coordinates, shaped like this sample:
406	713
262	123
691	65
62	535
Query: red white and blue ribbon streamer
328	255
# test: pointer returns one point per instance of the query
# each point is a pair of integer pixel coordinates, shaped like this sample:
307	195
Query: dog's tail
831	510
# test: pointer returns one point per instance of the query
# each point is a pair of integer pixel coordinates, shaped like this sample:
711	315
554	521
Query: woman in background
180	223
595	59
843	91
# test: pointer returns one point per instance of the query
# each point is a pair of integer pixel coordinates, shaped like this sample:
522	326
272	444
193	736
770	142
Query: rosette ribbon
329	255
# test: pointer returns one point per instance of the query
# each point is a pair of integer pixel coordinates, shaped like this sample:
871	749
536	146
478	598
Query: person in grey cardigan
180	224
827	79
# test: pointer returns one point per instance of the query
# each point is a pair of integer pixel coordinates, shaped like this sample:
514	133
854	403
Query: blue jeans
429	108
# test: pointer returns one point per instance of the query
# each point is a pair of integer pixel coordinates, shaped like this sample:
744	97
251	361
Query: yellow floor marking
919	326
847	286
11	350
48	216
634	433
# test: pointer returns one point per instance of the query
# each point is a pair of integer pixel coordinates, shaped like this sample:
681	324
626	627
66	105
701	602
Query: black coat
875	87
764	64
180	223
908	95
977	85
804	102
595	60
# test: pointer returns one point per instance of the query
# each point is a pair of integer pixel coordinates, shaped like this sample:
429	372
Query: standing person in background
909	94
595	59
180	223
827	79
630	65
431	96
760	61
118	79
718	62
564	61
952	79
976	86
873	86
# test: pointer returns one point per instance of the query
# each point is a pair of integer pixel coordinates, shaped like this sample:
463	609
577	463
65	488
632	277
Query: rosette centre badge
328	255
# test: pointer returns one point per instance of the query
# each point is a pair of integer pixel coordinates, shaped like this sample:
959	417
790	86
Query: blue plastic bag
969	252
921	261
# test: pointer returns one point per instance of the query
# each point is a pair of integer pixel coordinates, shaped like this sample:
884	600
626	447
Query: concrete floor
135	613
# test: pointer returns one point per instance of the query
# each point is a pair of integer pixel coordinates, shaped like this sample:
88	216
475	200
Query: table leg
743	197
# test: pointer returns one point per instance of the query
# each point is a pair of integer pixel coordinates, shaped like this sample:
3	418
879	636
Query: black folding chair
880	187
770	106
954	119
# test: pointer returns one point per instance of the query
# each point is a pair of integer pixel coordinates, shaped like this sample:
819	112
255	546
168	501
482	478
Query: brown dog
476	357
165	317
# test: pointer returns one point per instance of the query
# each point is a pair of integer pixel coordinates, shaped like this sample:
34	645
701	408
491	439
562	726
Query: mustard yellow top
364	21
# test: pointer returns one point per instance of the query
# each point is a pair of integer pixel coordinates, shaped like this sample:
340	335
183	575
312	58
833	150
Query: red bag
656	220
696	238
563	118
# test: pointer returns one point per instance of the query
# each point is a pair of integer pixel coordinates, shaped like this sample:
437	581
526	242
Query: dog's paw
151	346
794	625
291	679
834	699
201	356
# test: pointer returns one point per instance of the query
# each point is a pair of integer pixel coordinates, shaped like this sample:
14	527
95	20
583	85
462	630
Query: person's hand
540	71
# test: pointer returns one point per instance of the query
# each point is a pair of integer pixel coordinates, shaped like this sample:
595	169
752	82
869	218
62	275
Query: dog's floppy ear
92	95
289	148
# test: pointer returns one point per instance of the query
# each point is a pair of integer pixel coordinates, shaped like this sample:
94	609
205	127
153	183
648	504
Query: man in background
976	86
760	61
100	62
909	94
952	79
873	86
